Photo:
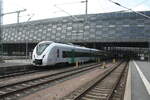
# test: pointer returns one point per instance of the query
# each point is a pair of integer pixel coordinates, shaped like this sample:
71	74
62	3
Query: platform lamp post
27	35
1	48
86	9
86	12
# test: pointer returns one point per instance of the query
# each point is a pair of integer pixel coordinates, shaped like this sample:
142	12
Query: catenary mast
1	30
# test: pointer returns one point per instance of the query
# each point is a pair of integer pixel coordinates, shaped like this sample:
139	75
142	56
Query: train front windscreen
41	47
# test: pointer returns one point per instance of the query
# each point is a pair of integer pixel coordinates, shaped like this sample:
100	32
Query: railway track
118	94
28	71
102	87
22	77
18	89
19	73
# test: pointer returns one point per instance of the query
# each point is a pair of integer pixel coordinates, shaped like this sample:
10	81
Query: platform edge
127	94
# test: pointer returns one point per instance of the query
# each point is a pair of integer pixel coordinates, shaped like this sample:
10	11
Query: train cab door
57	55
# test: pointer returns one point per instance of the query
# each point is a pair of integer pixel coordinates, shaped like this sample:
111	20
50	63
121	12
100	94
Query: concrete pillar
77	64
114	61
98	60
104	65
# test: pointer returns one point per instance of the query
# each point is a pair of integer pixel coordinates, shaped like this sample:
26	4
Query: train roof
69	45
45	42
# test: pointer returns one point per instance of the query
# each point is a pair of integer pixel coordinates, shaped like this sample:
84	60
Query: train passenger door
72	56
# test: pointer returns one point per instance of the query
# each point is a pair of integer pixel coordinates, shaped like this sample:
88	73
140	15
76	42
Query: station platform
138	81
17	62
10	66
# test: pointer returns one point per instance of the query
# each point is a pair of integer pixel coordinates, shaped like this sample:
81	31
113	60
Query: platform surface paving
140	80
12	63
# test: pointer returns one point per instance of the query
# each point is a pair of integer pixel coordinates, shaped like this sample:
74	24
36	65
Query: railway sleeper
104	87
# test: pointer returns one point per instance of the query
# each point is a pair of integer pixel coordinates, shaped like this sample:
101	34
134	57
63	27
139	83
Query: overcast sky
45	8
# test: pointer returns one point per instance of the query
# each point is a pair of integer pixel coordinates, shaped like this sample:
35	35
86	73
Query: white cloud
141	8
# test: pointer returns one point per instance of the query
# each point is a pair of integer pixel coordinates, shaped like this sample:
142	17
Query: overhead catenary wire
116	3
75	18
69	3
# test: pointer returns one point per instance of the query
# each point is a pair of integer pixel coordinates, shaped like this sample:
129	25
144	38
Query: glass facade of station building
105	27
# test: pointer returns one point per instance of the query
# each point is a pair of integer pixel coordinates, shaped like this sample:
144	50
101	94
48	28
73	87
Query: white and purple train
51	53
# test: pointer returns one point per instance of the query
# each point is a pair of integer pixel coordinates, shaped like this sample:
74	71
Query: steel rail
92	84
23	72
116	83
56	76
19	73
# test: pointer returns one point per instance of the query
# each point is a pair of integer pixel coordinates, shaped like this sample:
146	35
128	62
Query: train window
65	54
41	47
76	54
57	52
